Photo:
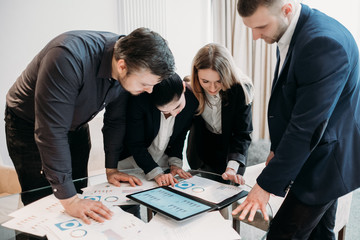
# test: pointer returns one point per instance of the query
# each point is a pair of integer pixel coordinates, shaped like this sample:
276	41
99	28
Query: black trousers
297	220
25	156
214	154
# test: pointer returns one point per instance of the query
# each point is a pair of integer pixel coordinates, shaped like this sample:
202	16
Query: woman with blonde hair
220	135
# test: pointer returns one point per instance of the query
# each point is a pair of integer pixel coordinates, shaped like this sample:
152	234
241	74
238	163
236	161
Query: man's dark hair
168	90
247	8
145	49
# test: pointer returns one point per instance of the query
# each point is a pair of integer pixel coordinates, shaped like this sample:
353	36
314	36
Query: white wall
26	26
346	12
185	24
188	29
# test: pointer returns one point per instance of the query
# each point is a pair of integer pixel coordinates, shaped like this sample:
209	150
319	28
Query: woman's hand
174	170
115	177
230	174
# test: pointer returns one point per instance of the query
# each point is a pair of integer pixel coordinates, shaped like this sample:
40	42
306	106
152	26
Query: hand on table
256	199
115	177
86	209
165	179
230	174
174	170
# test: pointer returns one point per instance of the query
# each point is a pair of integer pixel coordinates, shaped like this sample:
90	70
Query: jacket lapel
276	72
156	119
225	117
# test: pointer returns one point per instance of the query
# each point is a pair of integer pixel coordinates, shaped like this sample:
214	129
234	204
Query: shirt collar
284	41
213	99
106	61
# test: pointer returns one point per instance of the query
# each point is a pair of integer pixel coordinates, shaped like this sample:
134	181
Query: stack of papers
47	217
121	226
207	189
32	217
111	195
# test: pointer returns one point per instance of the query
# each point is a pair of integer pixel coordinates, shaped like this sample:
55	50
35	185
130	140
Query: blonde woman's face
210	81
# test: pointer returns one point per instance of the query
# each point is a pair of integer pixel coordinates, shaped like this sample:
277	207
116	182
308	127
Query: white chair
342	215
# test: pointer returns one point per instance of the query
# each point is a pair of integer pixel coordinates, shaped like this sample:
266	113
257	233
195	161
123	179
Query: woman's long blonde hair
218	58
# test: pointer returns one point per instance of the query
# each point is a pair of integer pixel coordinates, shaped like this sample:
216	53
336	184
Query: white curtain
255	58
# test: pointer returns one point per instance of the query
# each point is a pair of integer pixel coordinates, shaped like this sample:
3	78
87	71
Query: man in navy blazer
313	115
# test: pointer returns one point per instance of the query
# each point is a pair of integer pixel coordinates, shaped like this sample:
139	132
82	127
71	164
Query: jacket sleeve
114	130
139	109
241	129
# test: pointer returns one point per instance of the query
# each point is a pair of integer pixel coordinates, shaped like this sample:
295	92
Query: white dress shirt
285	40
157	149
212	113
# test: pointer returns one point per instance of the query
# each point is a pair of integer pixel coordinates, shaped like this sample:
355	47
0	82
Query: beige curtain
255	58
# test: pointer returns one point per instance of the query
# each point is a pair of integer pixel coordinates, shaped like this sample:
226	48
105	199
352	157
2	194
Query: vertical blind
142	13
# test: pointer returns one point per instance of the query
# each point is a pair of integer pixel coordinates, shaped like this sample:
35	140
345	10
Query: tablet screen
170	203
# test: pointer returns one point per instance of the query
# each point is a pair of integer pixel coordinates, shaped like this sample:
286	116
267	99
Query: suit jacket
314	113
236	123
143	125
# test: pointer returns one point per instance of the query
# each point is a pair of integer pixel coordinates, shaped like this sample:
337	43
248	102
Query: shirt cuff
153	173
111	162
64	191
174	161
233	164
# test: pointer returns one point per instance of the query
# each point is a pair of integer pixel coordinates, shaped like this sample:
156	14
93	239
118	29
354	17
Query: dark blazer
314	113
143	123
236	123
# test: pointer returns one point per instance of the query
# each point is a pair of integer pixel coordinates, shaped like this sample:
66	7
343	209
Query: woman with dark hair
157	125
